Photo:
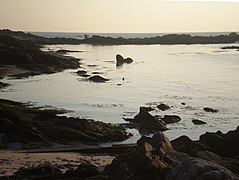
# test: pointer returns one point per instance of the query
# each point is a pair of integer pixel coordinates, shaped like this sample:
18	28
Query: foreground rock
156	158
163	107
35	128
199	169
146	123
120	60
3	85
53	171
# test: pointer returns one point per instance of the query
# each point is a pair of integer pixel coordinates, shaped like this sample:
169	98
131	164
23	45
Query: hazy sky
120	16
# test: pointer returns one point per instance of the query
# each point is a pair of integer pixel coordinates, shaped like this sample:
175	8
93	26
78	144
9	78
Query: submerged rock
195	168
208	109
98	79
169	119
81	72
163	107
198	122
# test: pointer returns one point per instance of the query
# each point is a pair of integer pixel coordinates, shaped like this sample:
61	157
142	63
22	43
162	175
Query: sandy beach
11	161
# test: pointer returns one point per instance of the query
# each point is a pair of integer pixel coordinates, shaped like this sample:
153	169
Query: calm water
199	75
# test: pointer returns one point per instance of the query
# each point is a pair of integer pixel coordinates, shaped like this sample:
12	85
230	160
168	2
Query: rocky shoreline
213	156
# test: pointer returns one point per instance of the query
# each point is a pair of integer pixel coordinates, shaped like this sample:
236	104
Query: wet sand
11	161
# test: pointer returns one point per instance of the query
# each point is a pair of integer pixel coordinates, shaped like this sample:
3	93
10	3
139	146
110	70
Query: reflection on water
198	75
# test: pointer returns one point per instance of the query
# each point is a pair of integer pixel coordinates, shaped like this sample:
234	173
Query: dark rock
143	108
63	51
163	107
210	156
120	60
44	171
148	123
169	119
231	47
183	103
226	145
153	158
194	168
186	145
81	72
98	79
198	122
208	109
26	54
36	128
85	170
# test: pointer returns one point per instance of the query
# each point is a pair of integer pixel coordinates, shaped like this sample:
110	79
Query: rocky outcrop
199	169
169	119
157	158
146	123
26	54
226	145
153	158
36	128
98	79
120	60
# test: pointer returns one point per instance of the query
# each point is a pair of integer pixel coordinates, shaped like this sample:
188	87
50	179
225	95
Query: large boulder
120	60
153	158
226	145
148	123
199	169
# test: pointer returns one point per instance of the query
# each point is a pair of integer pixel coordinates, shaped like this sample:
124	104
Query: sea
195	75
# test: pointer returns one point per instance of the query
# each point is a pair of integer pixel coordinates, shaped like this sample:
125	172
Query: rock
98	79
198	169
148	123
3	85
198	122
225	145
81	72
186	145
85	170
63	51
183	103
209	156
169	119
143	108
163	107
208	109
44	171
120	60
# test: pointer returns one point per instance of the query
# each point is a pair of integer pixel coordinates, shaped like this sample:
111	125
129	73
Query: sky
120	16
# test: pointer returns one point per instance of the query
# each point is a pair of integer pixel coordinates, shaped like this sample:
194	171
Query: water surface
198	75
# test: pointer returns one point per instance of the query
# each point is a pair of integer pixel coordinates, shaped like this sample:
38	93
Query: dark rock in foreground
35	128
163	107
120	60
198	122
208	109
199	169
231	47
156	158
169	119
98	79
